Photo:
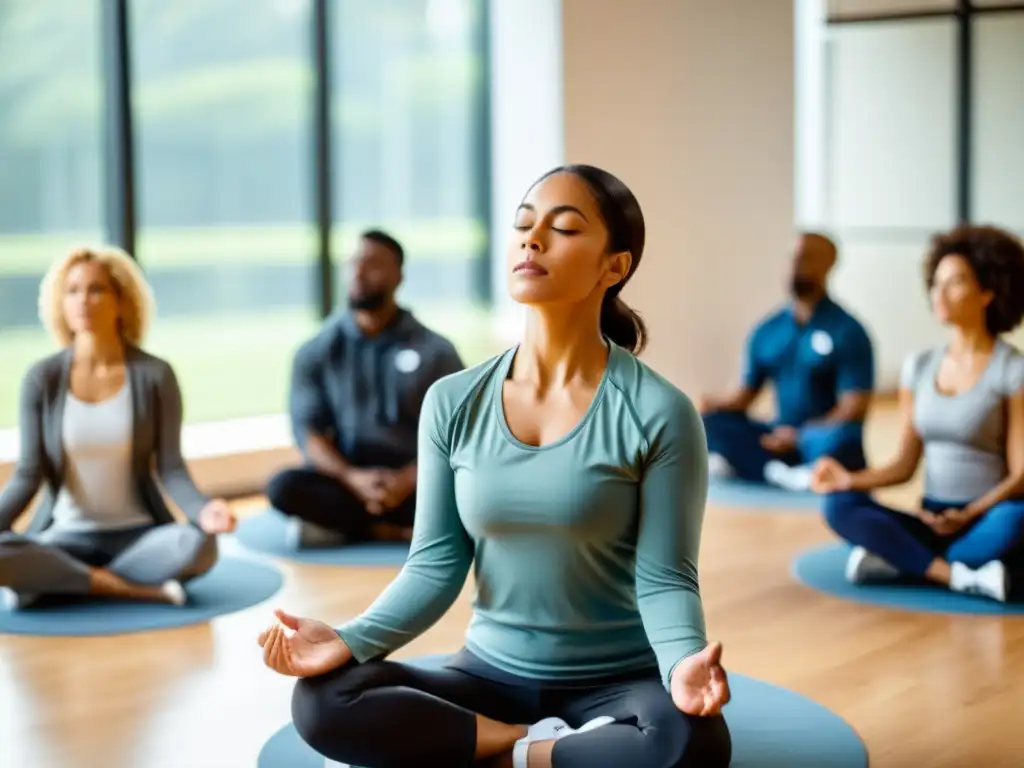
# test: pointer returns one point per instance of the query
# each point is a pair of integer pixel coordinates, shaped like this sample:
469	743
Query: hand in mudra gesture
302	647
829	476
700	686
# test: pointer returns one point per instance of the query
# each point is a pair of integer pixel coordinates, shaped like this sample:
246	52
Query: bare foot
107	584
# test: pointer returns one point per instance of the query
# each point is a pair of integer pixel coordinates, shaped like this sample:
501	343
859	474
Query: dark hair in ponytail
626	232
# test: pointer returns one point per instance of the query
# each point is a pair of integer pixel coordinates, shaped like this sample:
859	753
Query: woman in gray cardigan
96	419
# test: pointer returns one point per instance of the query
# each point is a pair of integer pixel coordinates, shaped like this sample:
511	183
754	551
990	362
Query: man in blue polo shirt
820	361
356	392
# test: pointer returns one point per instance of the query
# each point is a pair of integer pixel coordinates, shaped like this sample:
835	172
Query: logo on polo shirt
821	343
407	360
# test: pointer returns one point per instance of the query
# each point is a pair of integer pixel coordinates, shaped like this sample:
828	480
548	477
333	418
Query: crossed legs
467	714
890	543
137	564
736	438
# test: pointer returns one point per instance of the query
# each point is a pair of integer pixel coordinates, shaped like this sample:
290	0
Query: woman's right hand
829	476
302	647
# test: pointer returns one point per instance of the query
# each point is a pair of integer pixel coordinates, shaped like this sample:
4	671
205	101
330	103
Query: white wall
691	103
526	120
999	119
811	157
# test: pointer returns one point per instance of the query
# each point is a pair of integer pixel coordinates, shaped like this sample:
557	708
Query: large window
222	114
51	160
223	195
408	94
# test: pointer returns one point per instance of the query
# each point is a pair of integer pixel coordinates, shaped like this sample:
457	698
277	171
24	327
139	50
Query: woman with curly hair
962	405
95	420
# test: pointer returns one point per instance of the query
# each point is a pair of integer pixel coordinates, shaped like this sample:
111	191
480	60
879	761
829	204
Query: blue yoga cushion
824	569
268	534
233	584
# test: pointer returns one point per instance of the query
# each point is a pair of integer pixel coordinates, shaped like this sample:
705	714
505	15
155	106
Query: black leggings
309	495
385	714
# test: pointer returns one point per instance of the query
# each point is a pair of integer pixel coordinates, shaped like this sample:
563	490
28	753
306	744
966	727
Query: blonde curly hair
133	292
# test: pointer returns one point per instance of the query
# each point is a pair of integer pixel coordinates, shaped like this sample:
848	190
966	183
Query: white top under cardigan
99	490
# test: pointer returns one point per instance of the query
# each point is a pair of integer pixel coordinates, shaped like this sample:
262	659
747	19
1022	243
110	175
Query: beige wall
691	103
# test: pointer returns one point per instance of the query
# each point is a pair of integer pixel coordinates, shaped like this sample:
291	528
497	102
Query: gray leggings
385	714
58	562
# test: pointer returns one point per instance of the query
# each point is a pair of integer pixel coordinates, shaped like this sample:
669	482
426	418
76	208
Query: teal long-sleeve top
584	549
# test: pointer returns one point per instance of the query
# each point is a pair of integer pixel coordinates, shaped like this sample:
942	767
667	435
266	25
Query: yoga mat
268	534
771	728
233	584
738	493
823	569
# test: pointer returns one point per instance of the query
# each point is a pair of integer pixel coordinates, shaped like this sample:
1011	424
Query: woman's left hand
217	517
699	685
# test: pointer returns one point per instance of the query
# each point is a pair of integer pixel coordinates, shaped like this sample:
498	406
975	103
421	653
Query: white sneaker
991	580
551	728
175	593
16	601
547	729
597	722
556	728
718	467
863	566
796	479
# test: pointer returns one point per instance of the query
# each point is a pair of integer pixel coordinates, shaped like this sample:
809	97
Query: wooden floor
923	691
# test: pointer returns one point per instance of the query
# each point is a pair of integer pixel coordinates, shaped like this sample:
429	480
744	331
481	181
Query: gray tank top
964	435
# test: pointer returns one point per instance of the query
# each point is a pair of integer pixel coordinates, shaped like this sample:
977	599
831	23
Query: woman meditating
573	479
962	406
95	418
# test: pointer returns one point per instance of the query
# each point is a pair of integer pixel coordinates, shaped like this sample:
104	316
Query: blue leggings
911	546
736	438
